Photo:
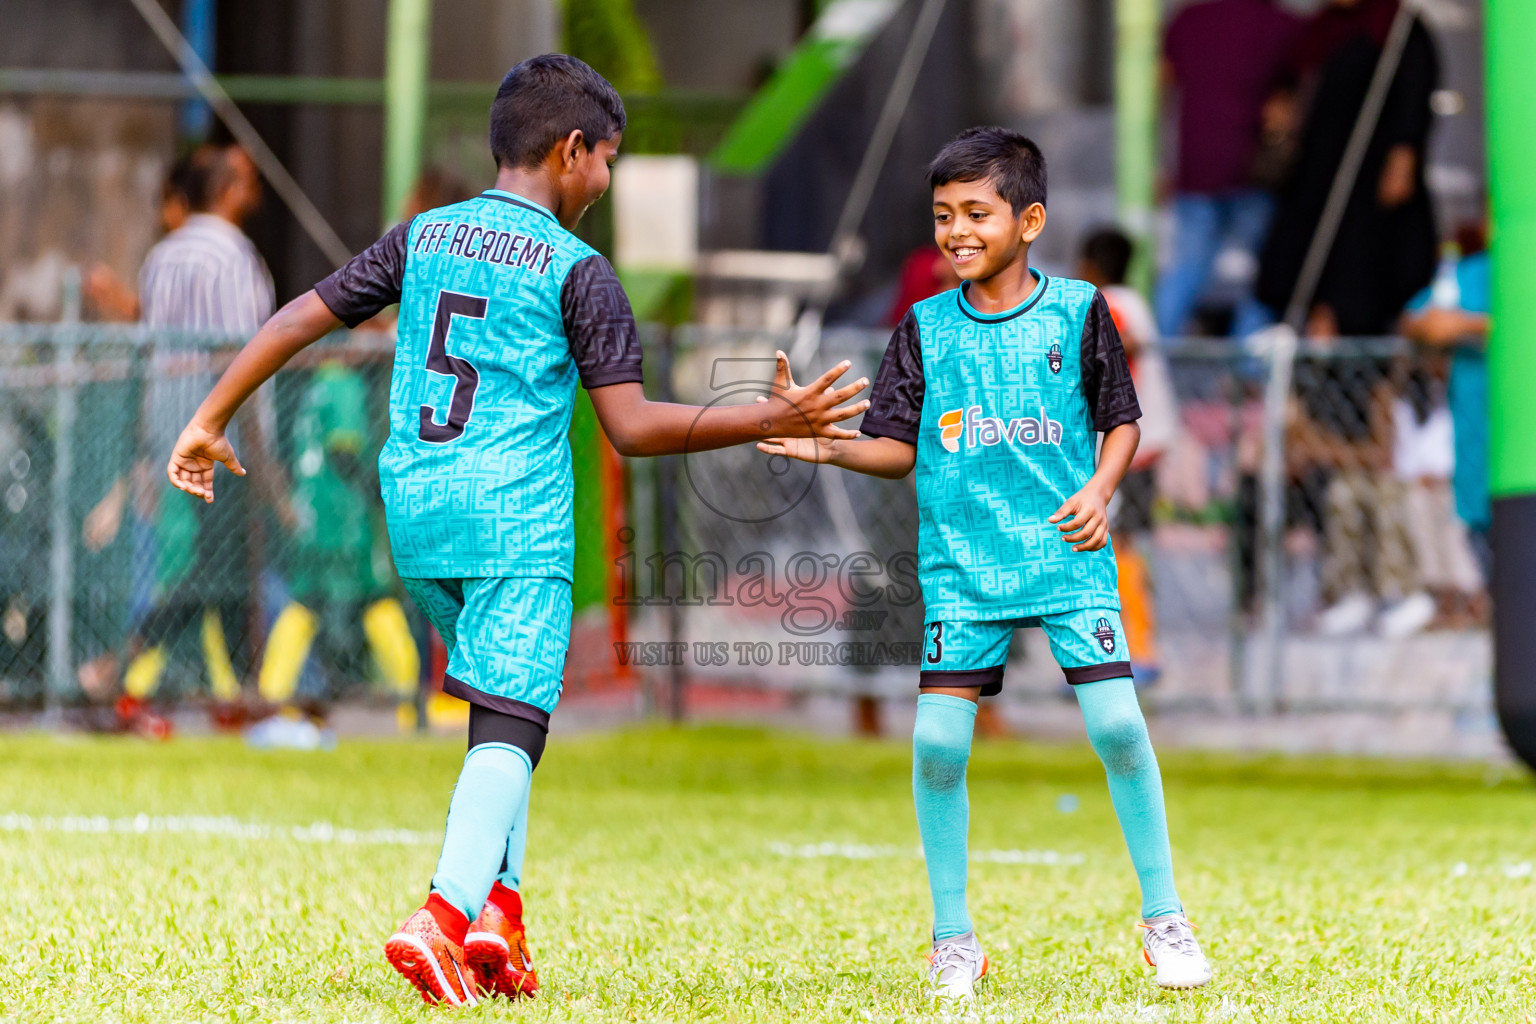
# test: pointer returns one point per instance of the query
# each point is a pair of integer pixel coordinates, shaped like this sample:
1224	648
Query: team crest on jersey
1105	634
1054	358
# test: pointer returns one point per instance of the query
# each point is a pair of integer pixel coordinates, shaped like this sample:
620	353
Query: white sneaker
1408	616
955	965
1168	943
1351	614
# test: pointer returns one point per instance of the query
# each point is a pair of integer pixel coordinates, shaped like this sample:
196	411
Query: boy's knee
940	755
1123	744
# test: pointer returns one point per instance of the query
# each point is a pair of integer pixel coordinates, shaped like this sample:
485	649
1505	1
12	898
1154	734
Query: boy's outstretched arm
639	427
370	281
1083	519
889	446
202	443
876	456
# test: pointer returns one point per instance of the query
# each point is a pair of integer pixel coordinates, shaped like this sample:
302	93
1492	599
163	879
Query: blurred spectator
1105	261
341	600
206	276
1225	58
924	273
435	188
112	297
1424	455
1453	314
1340	446
1385	250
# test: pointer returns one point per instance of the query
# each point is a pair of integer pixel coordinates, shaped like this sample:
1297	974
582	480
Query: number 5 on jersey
461	405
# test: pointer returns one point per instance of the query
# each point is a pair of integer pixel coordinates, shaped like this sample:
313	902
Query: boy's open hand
815	409
1084	520
191	465
806	449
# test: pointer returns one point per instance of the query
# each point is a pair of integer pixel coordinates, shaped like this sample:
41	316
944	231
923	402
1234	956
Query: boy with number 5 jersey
996	392
502	311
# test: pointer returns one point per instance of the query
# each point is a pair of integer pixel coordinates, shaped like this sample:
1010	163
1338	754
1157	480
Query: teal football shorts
1088	644
506	639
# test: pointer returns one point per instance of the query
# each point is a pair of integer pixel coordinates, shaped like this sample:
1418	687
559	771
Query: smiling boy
996	393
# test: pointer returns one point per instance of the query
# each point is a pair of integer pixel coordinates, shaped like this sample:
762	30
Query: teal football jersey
501	311
1004	410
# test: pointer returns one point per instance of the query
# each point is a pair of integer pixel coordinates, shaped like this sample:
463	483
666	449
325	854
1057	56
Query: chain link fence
281	591
1334	577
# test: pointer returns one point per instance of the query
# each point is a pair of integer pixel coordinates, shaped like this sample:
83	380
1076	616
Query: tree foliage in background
608	35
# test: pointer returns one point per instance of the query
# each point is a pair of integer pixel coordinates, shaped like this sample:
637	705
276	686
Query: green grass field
682	876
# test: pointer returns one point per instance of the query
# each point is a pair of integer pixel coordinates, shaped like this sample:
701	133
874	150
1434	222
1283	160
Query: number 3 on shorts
936	634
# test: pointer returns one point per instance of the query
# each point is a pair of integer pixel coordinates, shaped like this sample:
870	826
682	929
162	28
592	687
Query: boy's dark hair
1009	162
542	100
1110	250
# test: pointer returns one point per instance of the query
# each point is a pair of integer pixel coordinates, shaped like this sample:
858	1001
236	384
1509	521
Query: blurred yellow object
389	634
405	716
445	712
222	680
287	648
143	675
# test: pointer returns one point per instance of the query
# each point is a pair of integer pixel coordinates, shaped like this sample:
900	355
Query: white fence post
1267	692
61	561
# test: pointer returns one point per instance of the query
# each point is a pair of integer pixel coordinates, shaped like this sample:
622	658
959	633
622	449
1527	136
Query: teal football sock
517	844
941	748
1119	736
492	785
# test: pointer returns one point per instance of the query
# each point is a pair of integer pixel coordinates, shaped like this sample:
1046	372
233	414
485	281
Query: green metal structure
841	32
1510	26
1136	102
405	100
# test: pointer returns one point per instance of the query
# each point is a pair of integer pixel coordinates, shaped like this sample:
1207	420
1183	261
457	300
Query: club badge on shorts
1105	635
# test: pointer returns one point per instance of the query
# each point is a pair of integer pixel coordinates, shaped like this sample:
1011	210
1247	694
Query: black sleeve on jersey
370	281
896	403
1106	374
600	325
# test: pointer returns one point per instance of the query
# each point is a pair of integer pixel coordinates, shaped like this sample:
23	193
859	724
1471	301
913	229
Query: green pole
1510	27
405	100
1136	46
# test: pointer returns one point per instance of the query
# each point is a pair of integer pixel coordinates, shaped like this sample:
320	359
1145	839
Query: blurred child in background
1452	314
1104	263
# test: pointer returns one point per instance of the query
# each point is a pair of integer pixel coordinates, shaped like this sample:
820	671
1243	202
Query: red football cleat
496	947
429	950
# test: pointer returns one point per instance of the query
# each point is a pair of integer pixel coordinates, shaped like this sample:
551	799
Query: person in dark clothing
1225	59
1385	250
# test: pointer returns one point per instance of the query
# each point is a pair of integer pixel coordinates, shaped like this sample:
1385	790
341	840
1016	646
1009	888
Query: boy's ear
1032	221
571	148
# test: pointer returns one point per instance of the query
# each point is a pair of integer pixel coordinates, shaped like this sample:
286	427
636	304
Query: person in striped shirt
205	277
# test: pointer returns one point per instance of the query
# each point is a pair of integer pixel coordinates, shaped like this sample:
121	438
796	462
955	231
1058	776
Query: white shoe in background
1409	616
1350	614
